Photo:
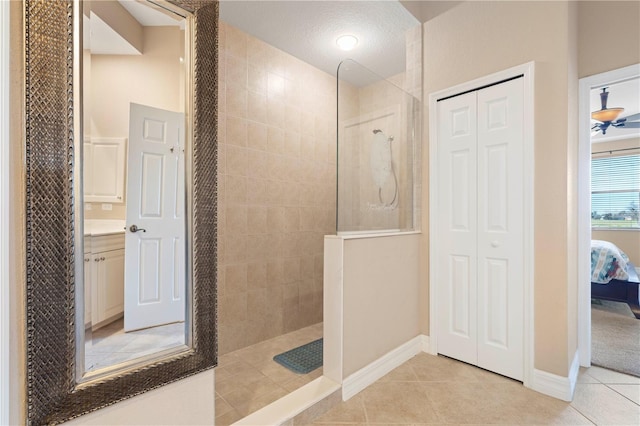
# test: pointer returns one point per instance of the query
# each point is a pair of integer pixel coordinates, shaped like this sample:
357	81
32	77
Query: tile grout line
624	384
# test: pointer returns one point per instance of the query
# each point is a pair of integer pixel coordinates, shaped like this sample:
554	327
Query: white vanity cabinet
104	170
104	278
87	281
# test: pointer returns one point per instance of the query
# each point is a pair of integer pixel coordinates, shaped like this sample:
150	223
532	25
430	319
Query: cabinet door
104	170
110	283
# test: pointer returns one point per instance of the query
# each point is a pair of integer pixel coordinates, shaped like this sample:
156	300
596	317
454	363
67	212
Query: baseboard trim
364	377
426	343
557	386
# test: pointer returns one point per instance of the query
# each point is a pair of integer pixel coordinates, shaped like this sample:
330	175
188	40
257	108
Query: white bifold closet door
480	217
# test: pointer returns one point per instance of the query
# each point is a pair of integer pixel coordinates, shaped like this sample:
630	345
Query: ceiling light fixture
347	42
606	114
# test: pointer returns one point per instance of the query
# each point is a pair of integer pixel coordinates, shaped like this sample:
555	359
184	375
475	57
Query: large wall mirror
121	114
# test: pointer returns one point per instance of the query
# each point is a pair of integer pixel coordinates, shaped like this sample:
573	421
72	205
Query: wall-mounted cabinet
104	170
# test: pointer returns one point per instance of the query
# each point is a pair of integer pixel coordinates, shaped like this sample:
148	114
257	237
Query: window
615	192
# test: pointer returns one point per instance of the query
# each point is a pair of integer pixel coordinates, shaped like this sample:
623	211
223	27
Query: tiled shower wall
277	166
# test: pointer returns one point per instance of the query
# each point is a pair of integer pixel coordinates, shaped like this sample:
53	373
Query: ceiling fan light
607	114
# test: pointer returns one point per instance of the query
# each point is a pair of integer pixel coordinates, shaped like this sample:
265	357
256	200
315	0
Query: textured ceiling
624	94
149	16
308	30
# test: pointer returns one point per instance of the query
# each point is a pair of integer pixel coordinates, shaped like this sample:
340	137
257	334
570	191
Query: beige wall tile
257	275
237	160
257	79
237	274
236	42
236	131
275	180
257	136
275	112
257	191
233	307
257	107
275	271
236	219
236	100
236	71
257	220
236	187
292	143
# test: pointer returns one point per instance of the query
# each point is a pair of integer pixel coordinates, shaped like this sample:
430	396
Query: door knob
134	228
495	243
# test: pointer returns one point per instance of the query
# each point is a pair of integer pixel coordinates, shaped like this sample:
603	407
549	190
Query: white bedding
608	262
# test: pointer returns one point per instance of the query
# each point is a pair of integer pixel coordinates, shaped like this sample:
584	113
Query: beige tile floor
110	345
248	379
439	390
424	390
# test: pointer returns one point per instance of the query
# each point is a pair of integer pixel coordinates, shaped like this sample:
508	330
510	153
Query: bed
613	276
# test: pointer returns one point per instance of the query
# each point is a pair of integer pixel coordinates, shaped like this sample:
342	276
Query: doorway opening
606	147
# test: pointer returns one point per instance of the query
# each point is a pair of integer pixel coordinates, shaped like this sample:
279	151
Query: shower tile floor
110	344
249	379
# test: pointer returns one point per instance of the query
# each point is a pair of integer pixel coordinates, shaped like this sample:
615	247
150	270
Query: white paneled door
480	210
154	243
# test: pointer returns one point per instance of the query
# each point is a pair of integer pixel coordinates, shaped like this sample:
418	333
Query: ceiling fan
609	117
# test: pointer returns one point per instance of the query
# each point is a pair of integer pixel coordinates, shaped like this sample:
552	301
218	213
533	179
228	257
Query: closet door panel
500	236
457	270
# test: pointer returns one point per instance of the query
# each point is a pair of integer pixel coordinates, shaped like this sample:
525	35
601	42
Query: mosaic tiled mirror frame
53	395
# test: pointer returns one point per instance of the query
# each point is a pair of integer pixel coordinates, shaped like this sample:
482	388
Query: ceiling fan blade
632	125
632	117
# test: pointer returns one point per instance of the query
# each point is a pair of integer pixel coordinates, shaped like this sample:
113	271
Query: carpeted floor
615	337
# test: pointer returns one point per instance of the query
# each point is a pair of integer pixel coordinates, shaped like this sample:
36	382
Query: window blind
615	192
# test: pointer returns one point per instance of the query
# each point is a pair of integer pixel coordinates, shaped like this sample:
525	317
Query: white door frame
527	71
586	84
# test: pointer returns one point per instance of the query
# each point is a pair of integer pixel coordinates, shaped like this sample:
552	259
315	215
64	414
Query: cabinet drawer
107	243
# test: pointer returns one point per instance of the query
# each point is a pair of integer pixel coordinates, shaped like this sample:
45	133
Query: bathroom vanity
103	272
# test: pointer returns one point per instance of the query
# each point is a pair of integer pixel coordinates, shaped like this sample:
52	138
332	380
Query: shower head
376	131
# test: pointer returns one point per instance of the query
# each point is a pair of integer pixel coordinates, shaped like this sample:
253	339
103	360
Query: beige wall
609	35
372	288
154	78
628	241
475	39
381	286
190	401
276	189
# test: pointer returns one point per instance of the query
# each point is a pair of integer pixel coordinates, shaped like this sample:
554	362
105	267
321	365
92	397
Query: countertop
96	227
